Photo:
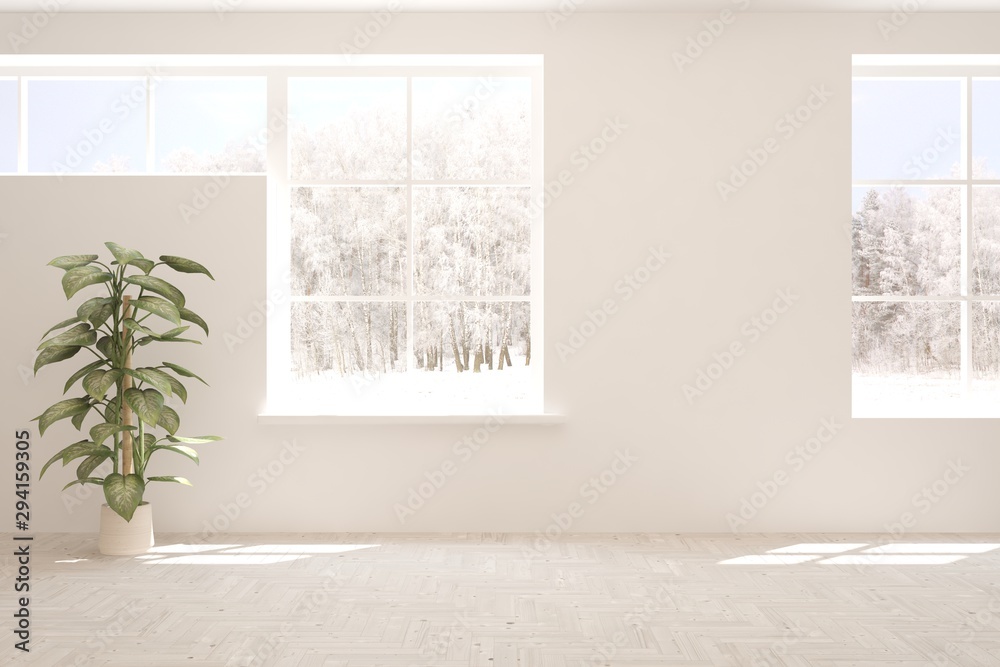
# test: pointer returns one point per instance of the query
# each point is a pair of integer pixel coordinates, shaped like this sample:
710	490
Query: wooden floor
504	600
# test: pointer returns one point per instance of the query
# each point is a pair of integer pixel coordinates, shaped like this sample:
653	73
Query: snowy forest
471	244
907	242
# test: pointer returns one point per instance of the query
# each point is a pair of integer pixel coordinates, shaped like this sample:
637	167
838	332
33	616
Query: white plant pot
119	537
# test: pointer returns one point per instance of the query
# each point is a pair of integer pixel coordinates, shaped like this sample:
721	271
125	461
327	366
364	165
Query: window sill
388	420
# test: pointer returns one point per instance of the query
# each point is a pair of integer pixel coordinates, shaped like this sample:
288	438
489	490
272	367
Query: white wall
622	391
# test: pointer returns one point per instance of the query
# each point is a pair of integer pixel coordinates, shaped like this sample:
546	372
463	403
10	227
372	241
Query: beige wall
654	185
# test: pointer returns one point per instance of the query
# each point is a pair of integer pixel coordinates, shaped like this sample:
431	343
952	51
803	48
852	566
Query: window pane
472	128
907	241
907	129
77	125
454	336
986	340
332	341
210	125
985	128
985	240
472	241
347	128
905	353
349	241
8	125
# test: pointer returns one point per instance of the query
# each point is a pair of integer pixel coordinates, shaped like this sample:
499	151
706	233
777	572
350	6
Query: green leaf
184	265
199	440
180	370
170	420
74	451
76	279
97	382
68	262
171	478
129	323
104	346
96	311
56	353
62	325
180	449
123	255
101	432
145	265
173	333
77	420
148	404
89	464
153	377
61	410
123	493
158	306
99	481
81	334
158	286
194	318
83	371
146	341
176	387
85	309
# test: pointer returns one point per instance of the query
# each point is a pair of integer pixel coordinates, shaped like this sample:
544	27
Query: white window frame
278	69
279	232
953	68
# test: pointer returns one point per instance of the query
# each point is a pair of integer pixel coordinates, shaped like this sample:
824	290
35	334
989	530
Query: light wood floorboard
490	600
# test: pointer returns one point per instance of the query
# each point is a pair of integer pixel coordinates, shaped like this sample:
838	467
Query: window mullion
410	332
22	125
150	121
966	258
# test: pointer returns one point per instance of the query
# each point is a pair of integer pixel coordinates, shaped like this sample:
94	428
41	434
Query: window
135	124
404	222
925	237
9	112
414	251
210	125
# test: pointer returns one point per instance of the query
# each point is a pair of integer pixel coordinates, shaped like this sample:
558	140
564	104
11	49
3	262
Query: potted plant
128	399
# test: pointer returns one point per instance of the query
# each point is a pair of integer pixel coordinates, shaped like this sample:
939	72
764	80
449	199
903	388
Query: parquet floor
513	600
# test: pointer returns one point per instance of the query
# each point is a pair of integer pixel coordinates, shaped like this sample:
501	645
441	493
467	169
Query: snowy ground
509	391
922	396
